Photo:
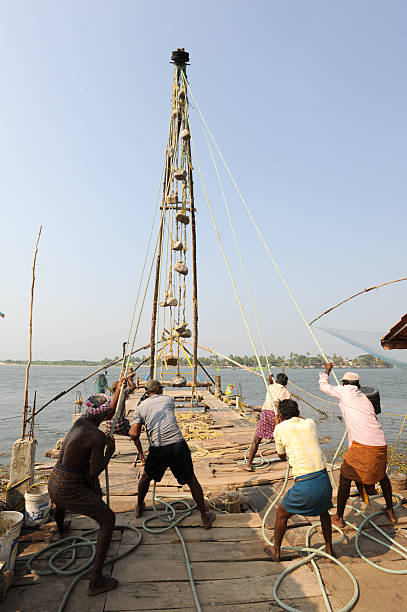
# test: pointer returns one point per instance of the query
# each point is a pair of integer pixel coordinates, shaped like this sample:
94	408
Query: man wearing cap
167	448
366	459
74	484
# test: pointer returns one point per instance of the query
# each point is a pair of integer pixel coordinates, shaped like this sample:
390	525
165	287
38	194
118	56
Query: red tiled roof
396	338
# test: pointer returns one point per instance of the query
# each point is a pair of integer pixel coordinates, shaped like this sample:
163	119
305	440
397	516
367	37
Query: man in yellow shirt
297	440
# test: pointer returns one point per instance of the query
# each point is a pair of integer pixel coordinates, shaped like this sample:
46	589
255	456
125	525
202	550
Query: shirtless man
74	484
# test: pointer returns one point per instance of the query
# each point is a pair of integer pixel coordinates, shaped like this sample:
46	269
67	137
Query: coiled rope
71	544
314	552
170	516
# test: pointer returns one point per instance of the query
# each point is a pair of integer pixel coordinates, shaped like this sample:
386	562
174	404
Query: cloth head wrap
98	403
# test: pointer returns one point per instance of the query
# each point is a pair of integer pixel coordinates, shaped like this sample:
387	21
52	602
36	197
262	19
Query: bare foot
247	467
210	517
269	550
103	585
140	510
391	515
62	533
339	522
329	550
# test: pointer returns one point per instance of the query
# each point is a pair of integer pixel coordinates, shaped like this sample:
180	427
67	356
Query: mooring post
218	390
21	472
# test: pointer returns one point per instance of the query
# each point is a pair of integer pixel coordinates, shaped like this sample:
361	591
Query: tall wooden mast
177	212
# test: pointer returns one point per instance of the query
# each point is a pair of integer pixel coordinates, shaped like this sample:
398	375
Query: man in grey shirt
167	448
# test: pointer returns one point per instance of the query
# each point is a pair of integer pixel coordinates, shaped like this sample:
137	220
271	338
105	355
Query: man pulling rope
297	439
167	448
74	484
366	459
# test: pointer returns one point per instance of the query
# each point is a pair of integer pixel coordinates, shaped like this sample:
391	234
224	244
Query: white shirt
275	393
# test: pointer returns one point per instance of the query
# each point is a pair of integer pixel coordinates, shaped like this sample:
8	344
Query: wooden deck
230	568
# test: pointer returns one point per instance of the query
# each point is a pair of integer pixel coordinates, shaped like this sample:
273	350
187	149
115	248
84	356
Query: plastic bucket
10	527
37	504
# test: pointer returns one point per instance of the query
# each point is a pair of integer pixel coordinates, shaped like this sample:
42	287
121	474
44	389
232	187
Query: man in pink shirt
366	459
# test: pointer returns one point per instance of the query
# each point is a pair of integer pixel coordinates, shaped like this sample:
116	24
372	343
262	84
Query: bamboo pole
103	367
155	295
398	280
27	370
194	267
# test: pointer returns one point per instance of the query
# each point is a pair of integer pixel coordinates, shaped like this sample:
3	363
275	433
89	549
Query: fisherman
366	458
101	385
74	484
297	439
276	391
122	425
167	448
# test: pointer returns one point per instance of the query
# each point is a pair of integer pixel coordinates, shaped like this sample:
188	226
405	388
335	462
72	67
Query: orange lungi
365	464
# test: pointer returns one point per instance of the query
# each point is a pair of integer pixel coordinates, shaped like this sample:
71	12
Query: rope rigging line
228	267
243	267
367	519
259	232
145	258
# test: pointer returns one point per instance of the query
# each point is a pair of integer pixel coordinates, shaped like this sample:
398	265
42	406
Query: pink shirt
357	411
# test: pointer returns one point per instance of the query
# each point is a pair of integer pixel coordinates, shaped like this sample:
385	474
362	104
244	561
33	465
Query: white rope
243	267
228	267
290	293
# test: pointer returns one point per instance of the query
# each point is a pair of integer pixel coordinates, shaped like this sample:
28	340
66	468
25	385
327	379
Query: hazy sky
307	101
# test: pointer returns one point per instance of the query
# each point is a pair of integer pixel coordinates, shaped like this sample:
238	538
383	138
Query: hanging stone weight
181	328
176	113
178	381
172	301
172	198
181	217
171	359
177	246
180	174
186	333
181	94
181	268
185	134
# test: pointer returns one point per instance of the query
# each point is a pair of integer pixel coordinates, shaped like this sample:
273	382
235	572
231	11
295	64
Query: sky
307	103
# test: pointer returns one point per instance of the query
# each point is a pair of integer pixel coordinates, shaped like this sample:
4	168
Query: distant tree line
295	360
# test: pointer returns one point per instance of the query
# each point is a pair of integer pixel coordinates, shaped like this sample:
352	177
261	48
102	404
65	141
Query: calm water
55	420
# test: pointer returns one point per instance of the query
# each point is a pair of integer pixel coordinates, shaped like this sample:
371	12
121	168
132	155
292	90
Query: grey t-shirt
157	413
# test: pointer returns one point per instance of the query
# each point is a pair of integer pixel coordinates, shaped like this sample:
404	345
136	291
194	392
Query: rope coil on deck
71	544
314	552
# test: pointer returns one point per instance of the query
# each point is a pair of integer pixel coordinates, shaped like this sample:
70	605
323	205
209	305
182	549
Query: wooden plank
156	595
246	519
164	570
47	593
198	534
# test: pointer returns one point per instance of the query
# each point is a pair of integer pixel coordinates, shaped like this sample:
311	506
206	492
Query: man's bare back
82	441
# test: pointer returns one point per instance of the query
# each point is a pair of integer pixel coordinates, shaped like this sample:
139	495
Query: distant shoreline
221	367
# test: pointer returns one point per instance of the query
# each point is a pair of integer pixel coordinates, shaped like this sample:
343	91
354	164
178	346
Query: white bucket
10	527
37	504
